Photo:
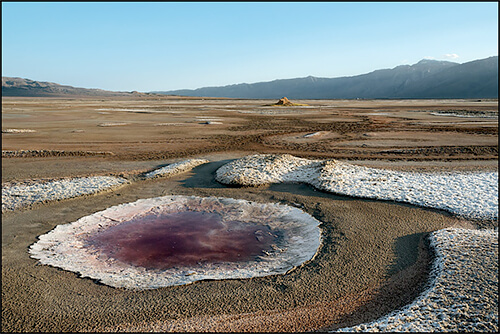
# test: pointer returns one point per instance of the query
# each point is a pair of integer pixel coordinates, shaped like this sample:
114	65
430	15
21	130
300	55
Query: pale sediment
51	153
463	290
211	122
468	194
314	134
22	195
18	130
176	168
170	124
16	196
113	124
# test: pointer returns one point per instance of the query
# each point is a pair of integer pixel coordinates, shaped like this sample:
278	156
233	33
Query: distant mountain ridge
25	87
425	79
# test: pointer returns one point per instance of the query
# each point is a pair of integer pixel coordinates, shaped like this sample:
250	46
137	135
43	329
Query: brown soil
373	258
172	128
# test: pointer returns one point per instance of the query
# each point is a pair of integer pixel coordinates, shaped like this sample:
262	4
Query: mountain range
30	88
425	79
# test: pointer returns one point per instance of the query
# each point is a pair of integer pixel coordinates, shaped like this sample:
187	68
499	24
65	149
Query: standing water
182	238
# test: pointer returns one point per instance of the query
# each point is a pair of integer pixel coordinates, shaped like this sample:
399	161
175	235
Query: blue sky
148	46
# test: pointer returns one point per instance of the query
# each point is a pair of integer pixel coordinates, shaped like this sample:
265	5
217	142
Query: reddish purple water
182	238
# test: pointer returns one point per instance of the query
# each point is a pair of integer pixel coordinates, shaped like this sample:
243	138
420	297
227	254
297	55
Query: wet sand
373	259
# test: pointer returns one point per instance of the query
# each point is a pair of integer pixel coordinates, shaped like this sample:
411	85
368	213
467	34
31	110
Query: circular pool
175	240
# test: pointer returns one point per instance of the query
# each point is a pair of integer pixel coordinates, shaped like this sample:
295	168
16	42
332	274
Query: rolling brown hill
30	88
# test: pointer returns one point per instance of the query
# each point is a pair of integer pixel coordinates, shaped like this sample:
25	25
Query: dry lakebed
164	213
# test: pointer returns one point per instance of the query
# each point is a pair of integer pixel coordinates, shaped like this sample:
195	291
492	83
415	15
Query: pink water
183	238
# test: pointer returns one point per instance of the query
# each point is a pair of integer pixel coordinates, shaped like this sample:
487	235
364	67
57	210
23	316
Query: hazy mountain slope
474	79
27	87
425	79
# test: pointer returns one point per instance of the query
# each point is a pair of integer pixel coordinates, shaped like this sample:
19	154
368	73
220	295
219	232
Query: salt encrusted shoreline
463	289
462	294
64	246
468	194
17	196
175	168
23	195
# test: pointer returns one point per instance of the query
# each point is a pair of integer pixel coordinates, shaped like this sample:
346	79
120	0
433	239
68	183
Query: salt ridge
463	288
468	194
462	293
176	168
17	130
17	196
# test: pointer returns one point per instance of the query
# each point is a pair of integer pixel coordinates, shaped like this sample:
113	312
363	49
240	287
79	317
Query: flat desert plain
374	257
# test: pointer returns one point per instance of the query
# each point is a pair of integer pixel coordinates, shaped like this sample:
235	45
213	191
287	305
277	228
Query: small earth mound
284	101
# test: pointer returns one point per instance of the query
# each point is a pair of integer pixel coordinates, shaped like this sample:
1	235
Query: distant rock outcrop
284	102
287	103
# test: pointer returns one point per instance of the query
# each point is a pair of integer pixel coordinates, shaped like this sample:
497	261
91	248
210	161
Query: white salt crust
63	247
468	194
113	124
462	294
22	195
17	130
170	124
17	196
176	168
